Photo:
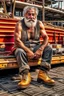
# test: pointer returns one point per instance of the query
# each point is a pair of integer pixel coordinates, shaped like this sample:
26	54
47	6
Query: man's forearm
21	45
45	43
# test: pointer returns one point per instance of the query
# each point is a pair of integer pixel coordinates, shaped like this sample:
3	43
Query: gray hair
30	7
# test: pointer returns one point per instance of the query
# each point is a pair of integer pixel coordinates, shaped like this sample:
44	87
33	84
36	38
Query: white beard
29	23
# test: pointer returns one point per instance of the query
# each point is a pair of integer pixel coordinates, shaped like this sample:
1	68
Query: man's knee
19	51
48	48
47	53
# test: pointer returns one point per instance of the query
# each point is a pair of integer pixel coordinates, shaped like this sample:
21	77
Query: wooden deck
9	87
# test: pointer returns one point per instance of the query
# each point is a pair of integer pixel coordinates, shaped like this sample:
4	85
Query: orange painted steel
7	27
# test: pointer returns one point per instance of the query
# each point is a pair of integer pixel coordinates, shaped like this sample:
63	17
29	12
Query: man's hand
38	53
30	54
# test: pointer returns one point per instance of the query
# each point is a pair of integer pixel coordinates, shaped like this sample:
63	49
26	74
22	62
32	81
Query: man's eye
31	14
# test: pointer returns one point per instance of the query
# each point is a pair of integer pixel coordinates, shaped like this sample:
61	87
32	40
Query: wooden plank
6	56
56	58
62	57
53	28
6	42
7	35
4	53
62	61
7	22
8	30
8	65
56	62
52	31
7	27
7	61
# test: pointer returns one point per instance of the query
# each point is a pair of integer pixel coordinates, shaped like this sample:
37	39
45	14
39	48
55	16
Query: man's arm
44	35
17	35
19	43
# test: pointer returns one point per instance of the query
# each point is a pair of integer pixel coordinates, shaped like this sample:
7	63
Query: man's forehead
31	11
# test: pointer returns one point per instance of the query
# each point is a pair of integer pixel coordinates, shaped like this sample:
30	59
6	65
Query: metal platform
9	87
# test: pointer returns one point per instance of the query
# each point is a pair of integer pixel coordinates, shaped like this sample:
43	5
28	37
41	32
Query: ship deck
9	87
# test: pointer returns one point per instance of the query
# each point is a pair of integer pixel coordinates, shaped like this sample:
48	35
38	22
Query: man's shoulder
40	22
20	21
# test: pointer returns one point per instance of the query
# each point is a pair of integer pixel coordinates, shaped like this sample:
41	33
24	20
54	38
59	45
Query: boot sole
23	87
42	81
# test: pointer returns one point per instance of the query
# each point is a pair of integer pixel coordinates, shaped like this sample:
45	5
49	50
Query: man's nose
31	16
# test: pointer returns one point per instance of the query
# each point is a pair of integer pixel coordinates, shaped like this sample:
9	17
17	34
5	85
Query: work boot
25	82
43	77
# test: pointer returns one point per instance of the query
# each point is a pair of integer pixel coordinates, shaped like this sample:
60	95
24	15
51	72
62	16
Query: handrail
5	10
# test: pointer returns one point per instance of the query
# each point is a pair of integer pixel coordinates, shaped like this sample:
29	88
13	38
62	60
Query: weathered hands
30	54
35	55
38	53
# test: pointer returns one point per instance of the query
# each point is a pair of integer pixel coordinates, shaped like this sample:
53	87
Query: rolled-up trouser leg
47	56
22	59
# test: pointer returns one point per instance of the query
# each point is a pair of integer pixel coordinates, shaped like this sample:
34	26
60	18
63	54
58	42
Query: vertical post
51	3
13	8
4	7
43	10
58	4
61	4
54	37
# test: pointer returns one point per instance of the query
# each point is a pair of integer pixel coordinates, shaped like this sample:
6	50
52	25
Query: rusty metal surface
9	87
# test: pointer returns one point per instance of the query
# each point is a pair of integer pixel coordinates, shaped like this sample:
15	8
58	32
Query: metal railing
4	13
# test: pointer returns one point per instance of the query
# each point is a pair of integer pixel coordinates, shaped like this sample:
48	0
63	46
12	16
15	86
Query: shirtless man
27	37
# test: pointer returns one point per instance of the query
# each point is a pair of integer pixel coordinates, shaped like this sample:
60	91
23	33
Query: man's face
30	18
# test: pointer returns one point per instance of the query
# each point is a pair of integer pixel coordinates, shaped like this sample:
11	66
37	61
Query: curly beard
30	22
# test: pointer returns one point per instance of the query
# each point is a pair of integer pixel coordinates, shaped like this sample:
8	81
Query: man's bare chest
30	33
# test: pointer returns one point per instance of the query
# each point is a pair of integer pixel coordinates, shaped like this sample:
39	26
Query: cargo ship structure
52	16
